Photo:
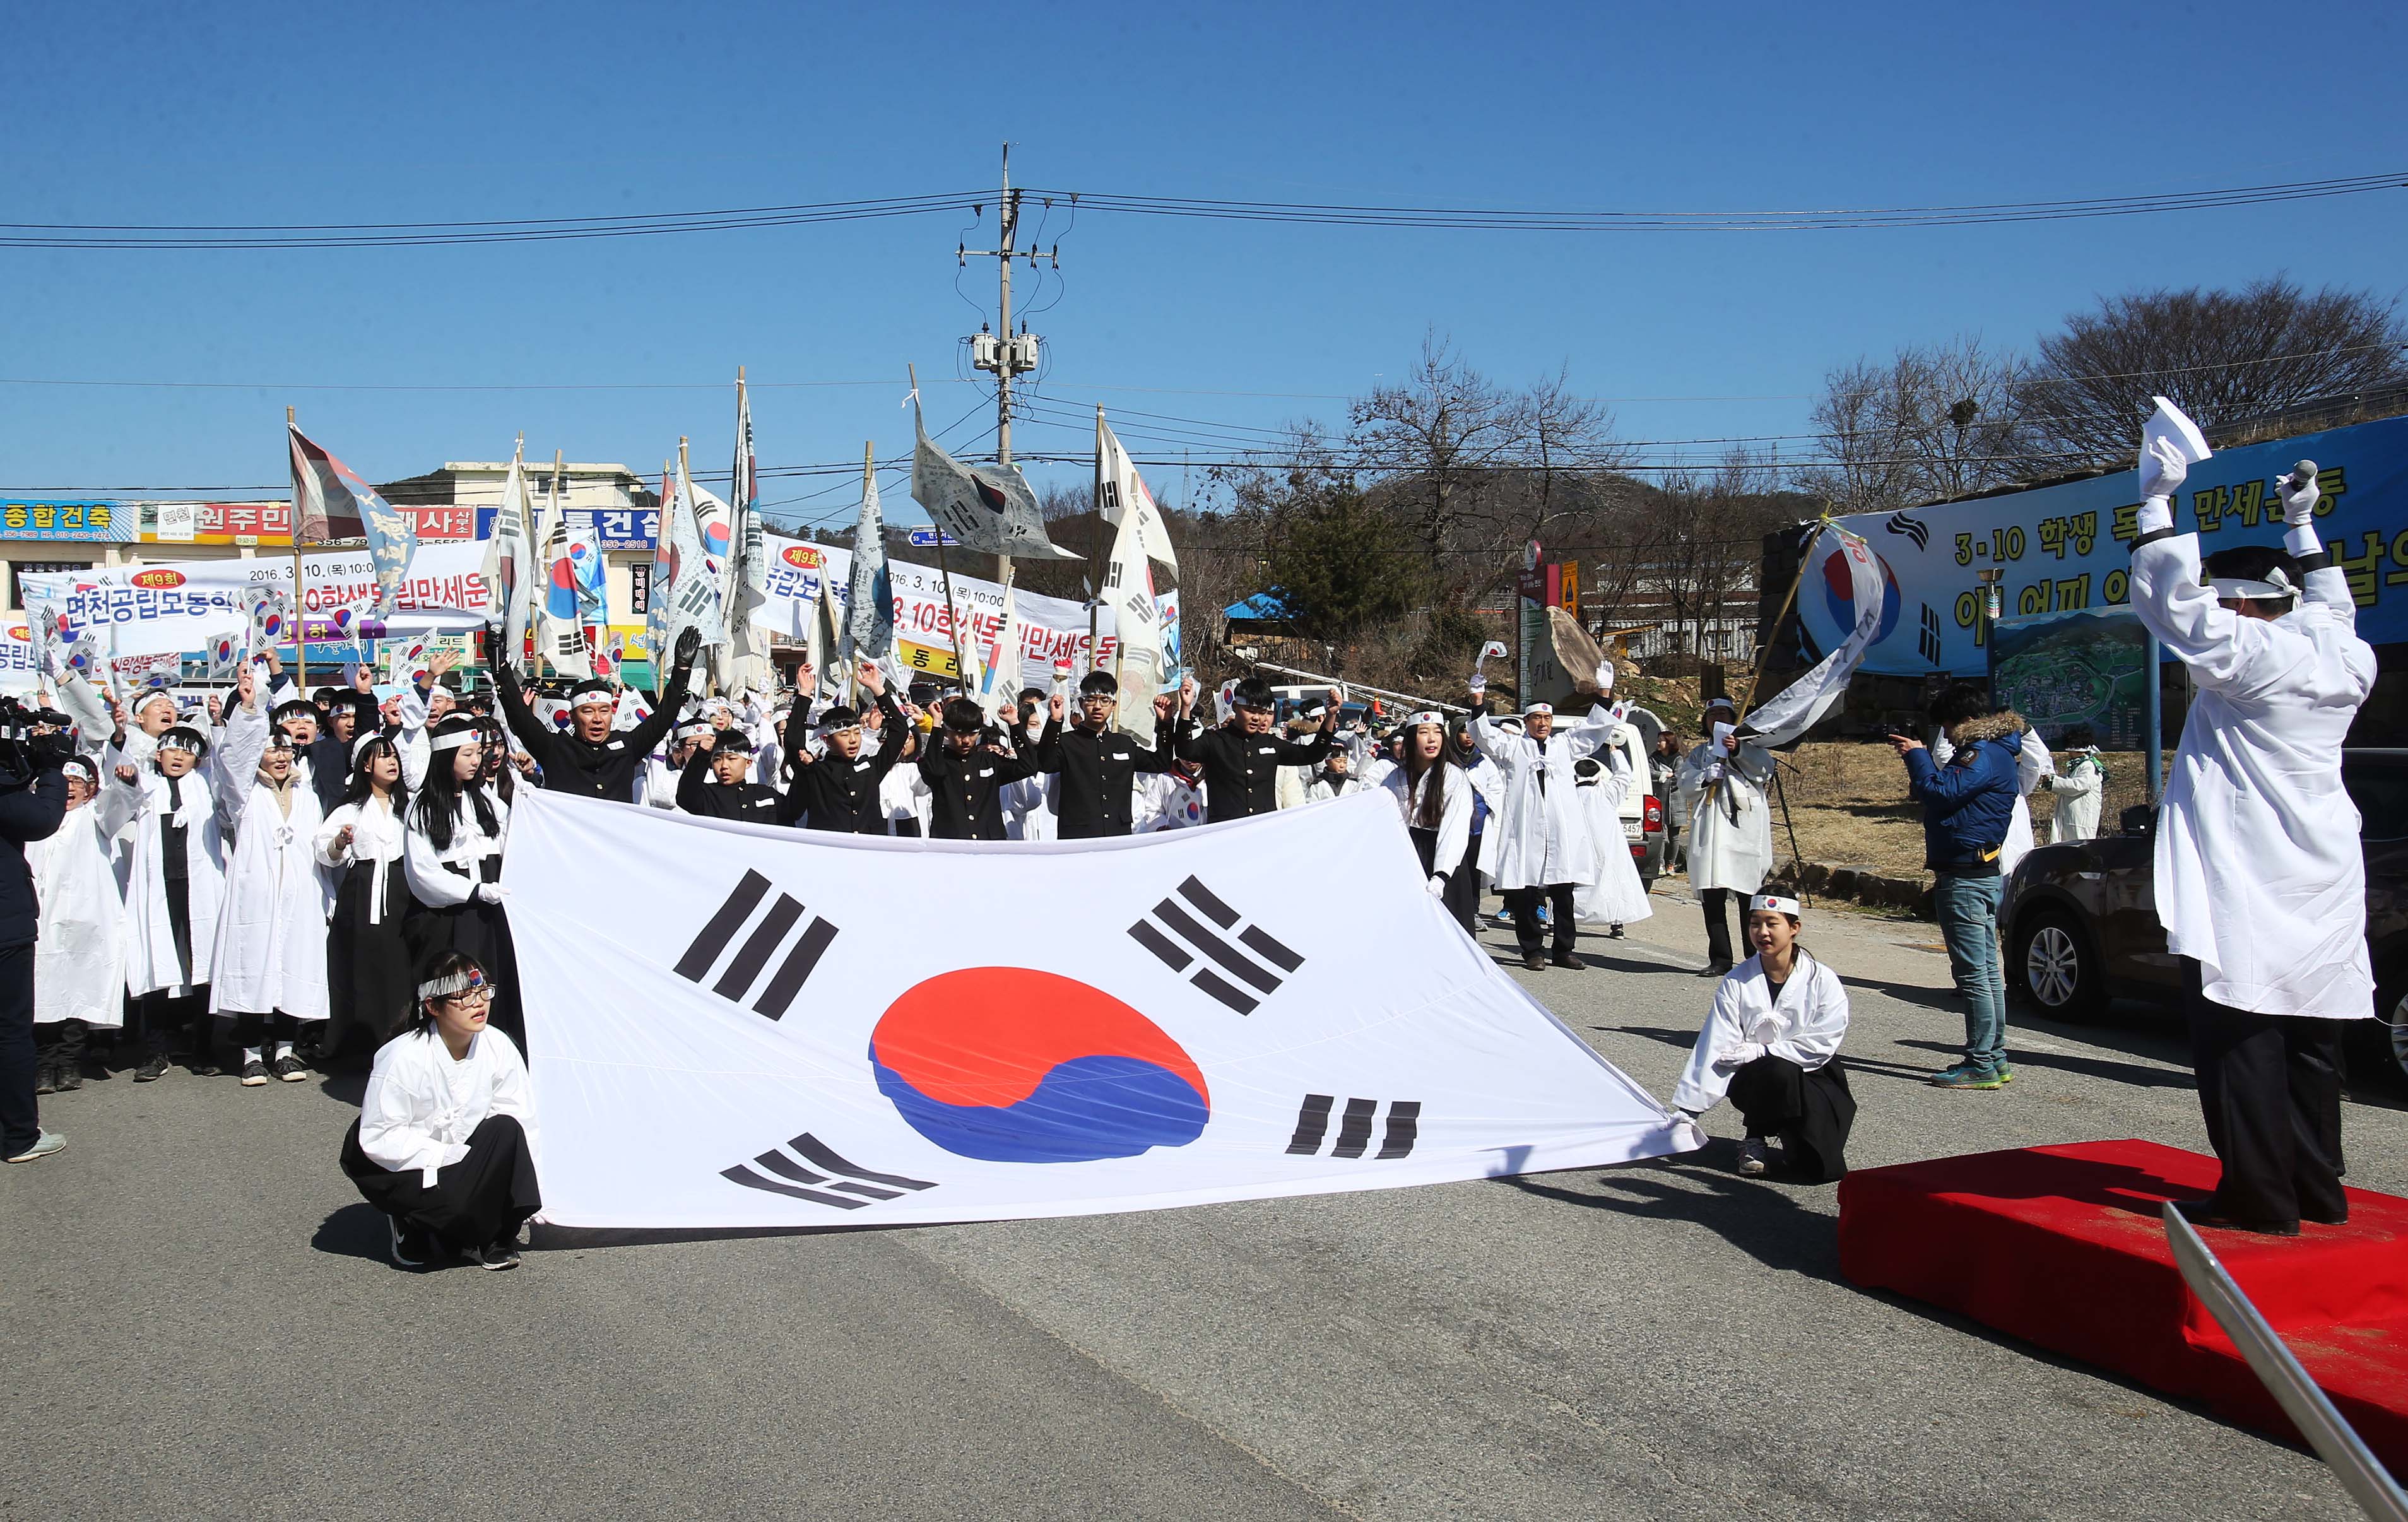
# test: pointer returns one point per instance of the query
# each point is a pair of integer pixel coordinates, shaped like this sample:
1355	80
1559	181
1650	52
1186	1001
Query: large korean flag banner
1172	1019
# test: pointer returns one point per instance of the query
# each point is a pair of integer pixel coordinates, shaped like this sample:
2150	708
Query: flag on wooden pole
330	501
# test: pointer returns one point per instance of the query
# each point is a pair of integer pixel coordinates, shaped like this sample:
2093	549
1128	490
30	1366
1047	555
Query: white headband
2276	586
143	702
168	744
1426	717
693	727
1774	902
458	983
453	742
1529	709
594	697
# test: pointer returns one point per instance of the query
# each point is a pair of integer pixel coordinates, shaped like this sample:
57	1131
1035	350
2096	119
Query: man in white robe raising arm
2259	884
1546	851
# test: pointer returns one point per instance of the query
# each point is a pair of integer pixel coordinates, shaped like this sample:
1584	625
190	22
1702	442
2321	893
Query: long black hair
439	799
505	777
438	964
1430	779
360	787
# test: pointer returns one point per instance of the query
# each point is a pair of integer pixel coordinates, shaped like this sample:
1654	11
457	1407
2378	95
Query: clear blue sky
229	112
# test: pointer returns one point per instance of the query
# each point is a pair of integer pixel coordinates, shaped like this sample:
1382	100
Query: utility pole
1003	352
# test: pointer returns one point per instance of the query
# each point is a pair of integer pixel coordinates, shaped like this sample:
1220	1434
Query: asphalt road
200	1324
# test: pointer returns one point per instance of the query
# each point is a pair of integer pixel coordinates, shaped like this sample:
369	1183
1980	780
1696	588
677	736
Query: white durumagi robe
1617	897
1731	817
1489	784
903	795
1542	830
272	928
1805	1026
80	955
1165	800
2078	790
151	800
2258	871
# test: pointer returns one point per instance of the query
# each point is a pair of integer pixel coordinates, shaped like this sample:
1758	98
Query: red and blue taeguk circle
1010	1065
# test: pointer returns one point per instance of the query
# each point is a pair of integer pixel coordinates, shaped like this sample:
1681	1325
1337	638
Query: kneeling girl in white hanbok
1772	1045
445	1144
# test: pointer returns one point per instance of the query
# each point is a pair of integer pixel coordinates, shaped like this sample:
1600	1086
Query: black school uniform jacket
699	793
1242	771
832	794
963	802
1098	774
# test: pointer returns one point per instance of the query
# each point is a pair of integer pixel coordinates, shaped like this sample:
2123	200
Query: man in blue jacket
1966	806
33	801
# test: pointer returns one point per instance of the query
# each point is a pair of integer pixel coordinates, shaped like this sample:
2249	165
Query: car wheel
2055	967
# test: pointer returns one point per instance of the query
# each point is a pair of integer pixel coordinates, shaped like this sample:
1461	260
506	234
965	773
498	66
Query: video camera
32	741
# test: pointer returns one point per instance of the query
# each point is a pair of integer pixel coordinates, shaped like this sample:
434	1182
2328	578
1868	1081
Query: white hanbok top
80	953
1454	811
1731	817
903	794
1804	1027
2258	871
377	835
2032	762
1543	831
1167	800
1618	896
433	880
422	1106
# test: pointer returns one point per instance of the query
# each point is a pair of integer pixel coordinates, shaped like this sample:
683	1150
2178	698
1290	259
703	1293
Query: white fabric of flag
999	659
986	507
786	1045
560	632
510	573
1802	704
743	662
693	593
1126	498
869	601
1128	591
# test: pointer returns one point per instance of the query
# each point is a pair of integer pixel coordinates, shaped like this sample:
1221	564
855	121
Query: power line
265	236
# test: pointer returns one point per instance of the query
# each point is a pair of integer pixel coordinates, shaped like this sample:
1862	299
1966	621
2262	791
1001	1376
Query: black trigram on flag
1354	1128
829	1180
770	934
1251	956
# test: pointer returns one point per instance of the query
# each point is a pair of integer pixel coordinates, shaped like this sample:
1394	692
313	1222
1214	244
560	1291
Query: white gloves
1438	886
1732	1059
2163	469
2299	509
491	893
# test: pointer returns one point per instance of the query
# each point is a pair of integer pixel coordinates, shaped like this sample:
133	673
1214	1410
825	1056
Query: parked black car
2081	920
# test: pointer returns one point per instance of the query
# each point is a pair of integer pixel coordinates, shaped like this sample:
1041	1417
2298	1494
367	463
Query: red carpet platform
2063	1247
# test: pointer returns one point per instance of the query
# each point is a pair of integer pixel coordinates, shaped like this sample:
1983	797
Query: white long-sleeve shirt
377	835
429	871
2260	875
1805	1025
421	1105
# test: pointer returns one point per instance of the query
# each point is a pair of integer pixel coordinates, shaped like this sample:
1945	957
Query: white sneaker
44	1145
1752	1156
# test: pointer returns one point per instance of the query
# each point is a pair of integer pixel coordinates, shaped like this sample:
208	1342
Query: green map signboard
2084	666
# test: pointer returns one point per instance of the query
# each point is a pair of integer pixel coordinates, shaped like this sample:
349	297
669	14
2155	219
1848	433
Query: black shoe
1713	969
1535	961
1570	959
254	1073
153	1069
2203	1213
68	1078
290	1068
45	1078
2314	1219
410	1247
501	1253
1614	931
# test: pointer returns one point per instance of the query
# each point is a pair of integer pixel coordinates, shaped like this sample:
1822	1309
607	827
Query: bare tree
1935	422
1472	468
2221	356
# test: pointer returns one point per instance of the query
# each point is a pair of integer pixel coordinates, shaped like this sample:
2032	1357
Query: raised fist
689	645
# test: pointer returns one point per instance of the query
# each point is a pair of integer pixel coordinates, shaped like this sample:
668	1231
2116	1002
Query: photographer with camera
33	803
